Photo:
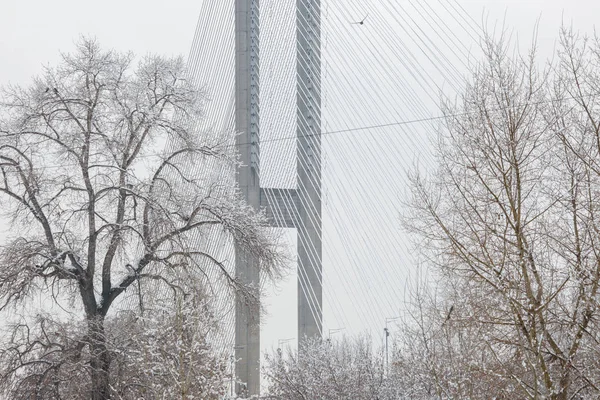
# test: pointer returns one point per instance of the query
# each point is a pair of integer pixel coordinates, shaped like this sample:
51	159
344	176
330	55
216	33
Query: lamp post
232	377
232	369
387	334
334	330
280	342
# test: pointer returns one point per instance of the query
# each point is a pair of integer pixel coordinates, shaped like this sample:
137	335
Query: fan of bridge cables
381	85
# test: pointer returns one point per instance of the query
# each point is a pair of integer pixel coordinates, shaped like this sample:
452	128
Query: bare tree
166	355
330	370
100	180
160	354
442	348
510	219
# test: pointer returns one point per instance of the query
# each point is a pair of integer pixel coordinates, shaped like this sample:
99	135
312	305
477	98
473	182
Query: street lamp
387	334
233	377
334	330
283	341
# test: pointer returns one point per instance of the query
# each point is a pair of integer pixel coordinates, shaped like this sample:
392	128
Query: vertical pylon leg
247	315
308	35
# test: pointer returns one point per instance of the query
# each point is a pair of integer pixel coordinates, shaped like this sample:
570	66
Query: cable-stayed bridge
330	113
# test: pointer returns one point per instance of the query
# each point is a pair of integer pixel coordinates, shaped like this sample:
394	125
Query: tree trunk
564	383
99	359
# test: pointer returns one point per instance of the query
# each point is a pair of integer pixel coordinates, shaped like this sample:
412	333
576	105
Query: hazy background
367	259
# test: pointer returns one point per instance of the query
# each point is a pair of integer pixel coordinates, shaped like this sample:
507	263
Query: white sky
32	32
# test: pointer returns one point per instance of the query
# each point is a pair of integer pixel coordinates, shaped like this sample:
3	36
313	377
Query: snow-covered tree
164	354
510	223
441	352
112	196
330	370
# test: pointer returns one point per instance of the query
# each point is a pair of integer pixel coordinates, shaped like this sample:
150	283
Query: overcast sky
32	32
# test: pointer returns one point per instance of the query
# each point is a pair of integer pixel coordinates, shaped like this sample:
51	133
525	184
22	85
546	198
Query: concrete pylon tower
247	316
298	208
308	87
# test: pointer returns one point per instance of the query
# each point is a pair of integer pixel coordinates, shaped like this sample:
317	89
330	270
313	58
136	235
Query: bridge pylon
298	208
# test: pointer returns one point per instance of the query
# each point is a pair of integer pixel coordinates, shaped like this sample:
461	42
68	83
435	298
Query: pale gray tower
247	318
286	208
308	35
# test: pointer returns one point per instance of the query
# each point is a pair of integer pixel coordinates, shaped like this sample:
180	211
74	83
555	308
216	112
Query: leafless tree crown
510	221
108	184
